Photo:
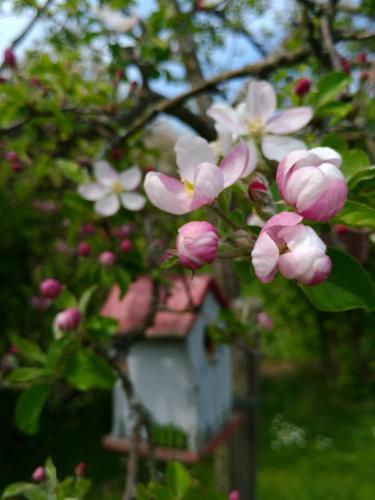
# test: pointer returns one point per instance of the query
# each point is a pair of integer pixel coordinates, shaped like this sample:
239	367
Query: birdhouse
178	373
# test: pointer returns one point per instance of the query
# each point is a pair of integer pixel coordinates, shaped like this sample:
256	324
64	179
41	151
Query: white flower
112	188
256	119
114	20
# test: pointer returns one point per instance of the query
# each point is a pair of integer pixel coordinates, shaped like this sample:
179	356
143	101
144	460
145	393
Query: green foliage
85	370
29	407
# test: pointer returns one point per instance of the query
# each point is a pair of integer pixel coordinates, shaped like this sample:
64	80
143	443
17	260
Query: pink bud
84	249
264	321
341	229
50	288
69	319
302	86
80	469
197	244
123	231
39	303
11	156
345	66
126	245
38	475
312	183
107	258
362	58
14	349
9	58
234	495
87	229
258	189
16	166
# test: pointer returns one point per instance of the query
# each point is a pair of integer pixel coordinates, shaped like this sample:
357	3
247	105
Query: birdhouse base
122	445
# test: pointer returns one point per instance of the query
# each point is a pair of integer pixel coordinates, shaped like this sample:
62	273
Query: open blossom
311	182
201	179
197	243
296	250
256	120
114	20
111	189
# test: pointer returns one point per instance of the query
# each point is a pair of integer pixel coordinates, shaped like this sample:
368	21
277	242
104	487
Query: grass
315	443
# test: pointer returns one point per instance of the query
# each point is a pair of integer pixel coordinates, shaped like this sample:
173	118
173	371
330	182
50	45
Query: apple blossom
295	249
201	179
39	474
197	243
50	288
69	319
111	188
311	182
107	258
114	20
256	120
126	245
84	249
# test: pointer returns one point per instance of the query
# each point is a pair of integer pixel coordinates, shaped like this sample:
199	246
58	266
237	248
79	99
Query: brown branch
356	36
328	44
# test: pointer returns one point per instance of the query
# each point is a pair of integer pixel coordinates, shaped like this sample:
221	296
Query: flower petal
208	184
235	164
131	178
290	120
108	205
167	193
92	191
104	173
275	147
227	117
190	152
264	256
253	159
225	138
133	201
317	156
260	101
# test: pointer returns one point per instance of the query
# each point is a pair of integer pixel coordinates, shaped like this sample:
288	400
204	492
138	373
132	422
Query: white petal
264	256
290	120
92	191
108	205
275	147
225	137
190	152
323	155
253	158
227	117
104	173
131	178
133	201
260	101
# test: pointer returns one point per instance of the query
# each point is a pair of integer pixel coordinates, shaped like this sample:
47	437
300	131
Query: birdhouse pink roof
183	296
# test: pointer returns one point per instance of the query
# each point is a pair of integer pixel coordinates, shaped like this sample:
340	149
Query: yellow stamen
256	128
117	187
189	188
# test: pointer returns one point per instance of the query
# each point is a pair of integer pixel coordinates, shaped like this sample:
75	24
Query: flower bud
264	321
311	182
258	189
40	303
345	66
197	244
107	258
11	156
80	469
122	231
50	288
16	166
84	249
126	245
9	58
234	495
302	86
341	229
362	58
38	475
87	229
69	319
296	250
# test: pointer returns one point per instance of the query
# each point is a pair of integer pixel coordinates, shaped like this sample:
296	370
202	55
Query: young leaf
348	287
85	370
357	214
25	374
178	478
29	407
30	350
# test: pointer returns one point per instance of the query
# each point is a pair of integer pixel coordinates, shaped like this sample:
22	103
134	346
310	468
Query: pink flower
258	189
9	58
84	249
38	475
264	321
311	182
112	189
255	119
197	244
69	319
345	65
295	249
80	469
50	288
302	86
107	258
234	495
201	179
126	245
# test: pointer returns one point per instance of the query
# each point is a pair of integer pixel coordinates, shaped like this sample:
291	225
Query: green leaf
348	287
178	478
71	170
335	142
357	214
102	327
29	407
86	297
85	370
50	470
330	86
367	174
171	261
335	110
354	161
16	489
66	300
30	350
25	374
55	352
142	492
